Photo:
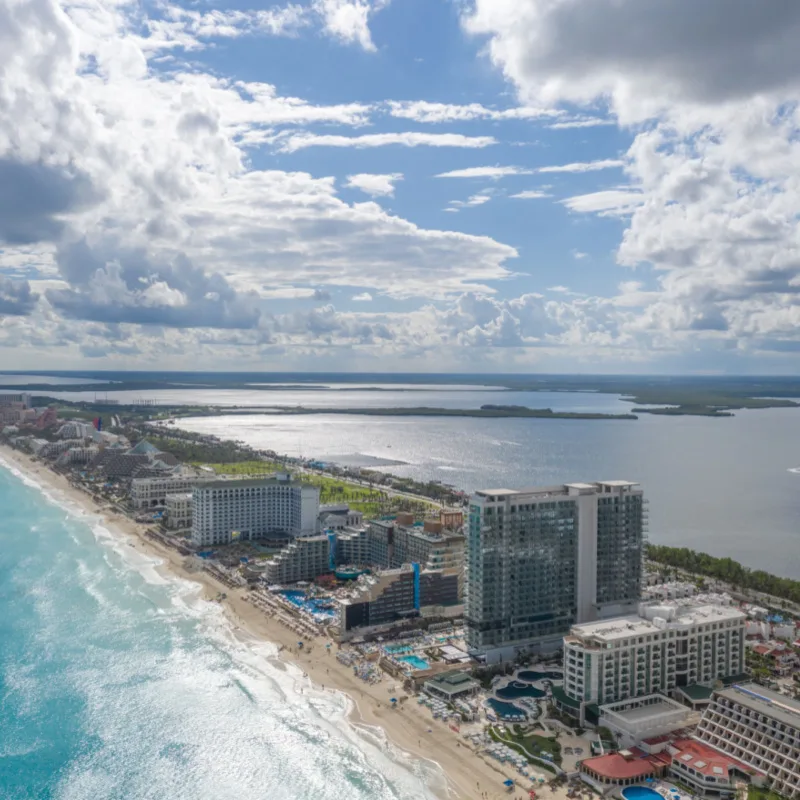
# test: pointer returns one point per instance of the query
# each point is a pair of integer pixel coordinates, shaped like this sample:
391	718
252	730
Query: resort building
646	717
77	455
305	558
179	510
336	516
75	429
451	686
541	560
759	728
395	594
224	511
677	644
152	492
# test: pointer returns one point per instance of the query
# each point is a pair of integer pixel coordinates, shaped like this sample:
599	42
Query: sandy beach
409	728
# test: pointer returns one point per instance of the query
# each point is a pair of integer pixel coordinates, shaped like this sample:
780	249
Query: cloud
374	185
187	28
364	297
16	297
473	200
578	255
485	172
300	141
423	111
612	201
34	197
642	54
582	122
348	20
585	166
531	194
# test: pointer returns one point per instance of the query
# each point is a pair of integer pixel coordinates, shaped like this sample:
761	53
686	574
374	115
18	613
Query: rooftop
658	617
618	768
695	692
249	483
453	679
705	759
765	701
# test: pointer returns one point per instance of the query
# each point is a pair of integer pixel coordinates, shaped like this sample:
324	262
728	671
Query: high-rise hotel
541	560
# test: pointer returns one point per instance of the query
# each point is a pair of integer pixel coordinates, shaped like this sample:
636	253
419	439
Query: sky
400	185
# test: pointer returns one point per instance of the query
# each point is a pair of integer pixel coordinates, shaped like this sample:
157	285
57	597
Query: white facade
252	509
305	559
75	429
664	646
152	492
759	728
540	560
179	510
645	717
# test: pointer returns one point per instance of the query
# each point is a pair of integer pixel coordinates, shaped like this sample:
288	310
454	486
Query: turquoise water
505	710
415	661
519	689
119	684
640	793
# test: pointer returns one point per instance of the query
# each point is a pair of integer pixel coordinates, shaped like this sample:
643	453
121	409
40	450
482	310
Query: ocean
119	684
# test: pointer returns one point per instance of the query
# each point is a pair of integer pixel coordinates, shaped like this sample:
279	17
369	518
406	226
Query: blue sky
430	185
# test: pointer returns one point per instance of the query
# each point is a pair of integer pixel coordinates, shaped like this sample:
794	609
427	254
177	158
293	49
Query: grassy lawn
535	745
245	468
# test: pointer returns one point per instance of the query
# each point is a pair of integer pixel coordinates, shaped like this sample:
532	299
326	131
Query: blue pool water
517	689
531	675
312	605
640	793
415	661
504	710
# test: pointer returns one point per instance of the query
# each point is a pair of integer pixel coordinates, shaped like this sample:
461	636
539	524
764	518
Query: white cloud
364	297
187	28
423	111
585	166
582	122
299	141
530	194
578	255
473	200
616	201
348	20
374	185
485	172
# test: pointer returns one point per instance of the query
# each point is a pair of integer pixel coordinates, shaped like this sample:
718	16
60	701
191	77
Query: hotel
665	646
759	728
541	560
227	510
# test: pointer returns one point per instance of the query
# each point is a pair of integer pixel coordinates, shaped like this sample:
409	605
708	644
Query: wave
314	718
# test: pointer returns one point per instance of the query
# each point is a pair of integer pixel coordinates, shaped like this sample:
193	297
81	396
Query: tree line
725	569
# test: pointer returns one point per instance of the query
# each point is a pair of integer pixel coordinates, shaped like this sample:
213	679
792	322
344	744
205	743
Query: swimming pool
640	793
398	648
507	710
531	675
415	661
309	604
516	689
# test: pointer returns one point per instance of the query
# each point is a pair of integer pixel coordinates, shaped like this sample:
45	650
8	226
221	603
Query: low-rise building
451	686
664	646
179	510
759	728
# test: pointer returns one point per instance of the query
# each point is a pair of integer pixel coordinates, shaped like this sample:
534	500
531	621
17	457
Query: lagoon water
730	487
119	684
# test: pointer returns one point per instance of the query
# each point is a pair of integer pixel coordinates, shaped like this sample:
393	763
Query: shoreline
409	729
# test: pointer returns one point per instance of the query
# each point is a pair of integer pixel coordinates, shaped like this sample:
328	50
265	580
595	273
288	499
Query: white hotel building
664	646
152	492
223	511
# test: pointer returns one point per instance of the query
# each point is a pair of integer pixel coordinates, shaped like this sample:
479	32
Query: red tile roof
616	767
705	759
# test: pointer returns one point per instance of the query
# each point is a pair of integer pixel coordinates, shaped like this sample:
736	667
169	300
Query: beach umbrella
508	782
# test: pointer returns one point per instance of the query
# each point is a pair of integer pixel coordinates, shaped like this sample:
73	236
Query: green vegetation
754	793
245	467
218	452
725	569
534	744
